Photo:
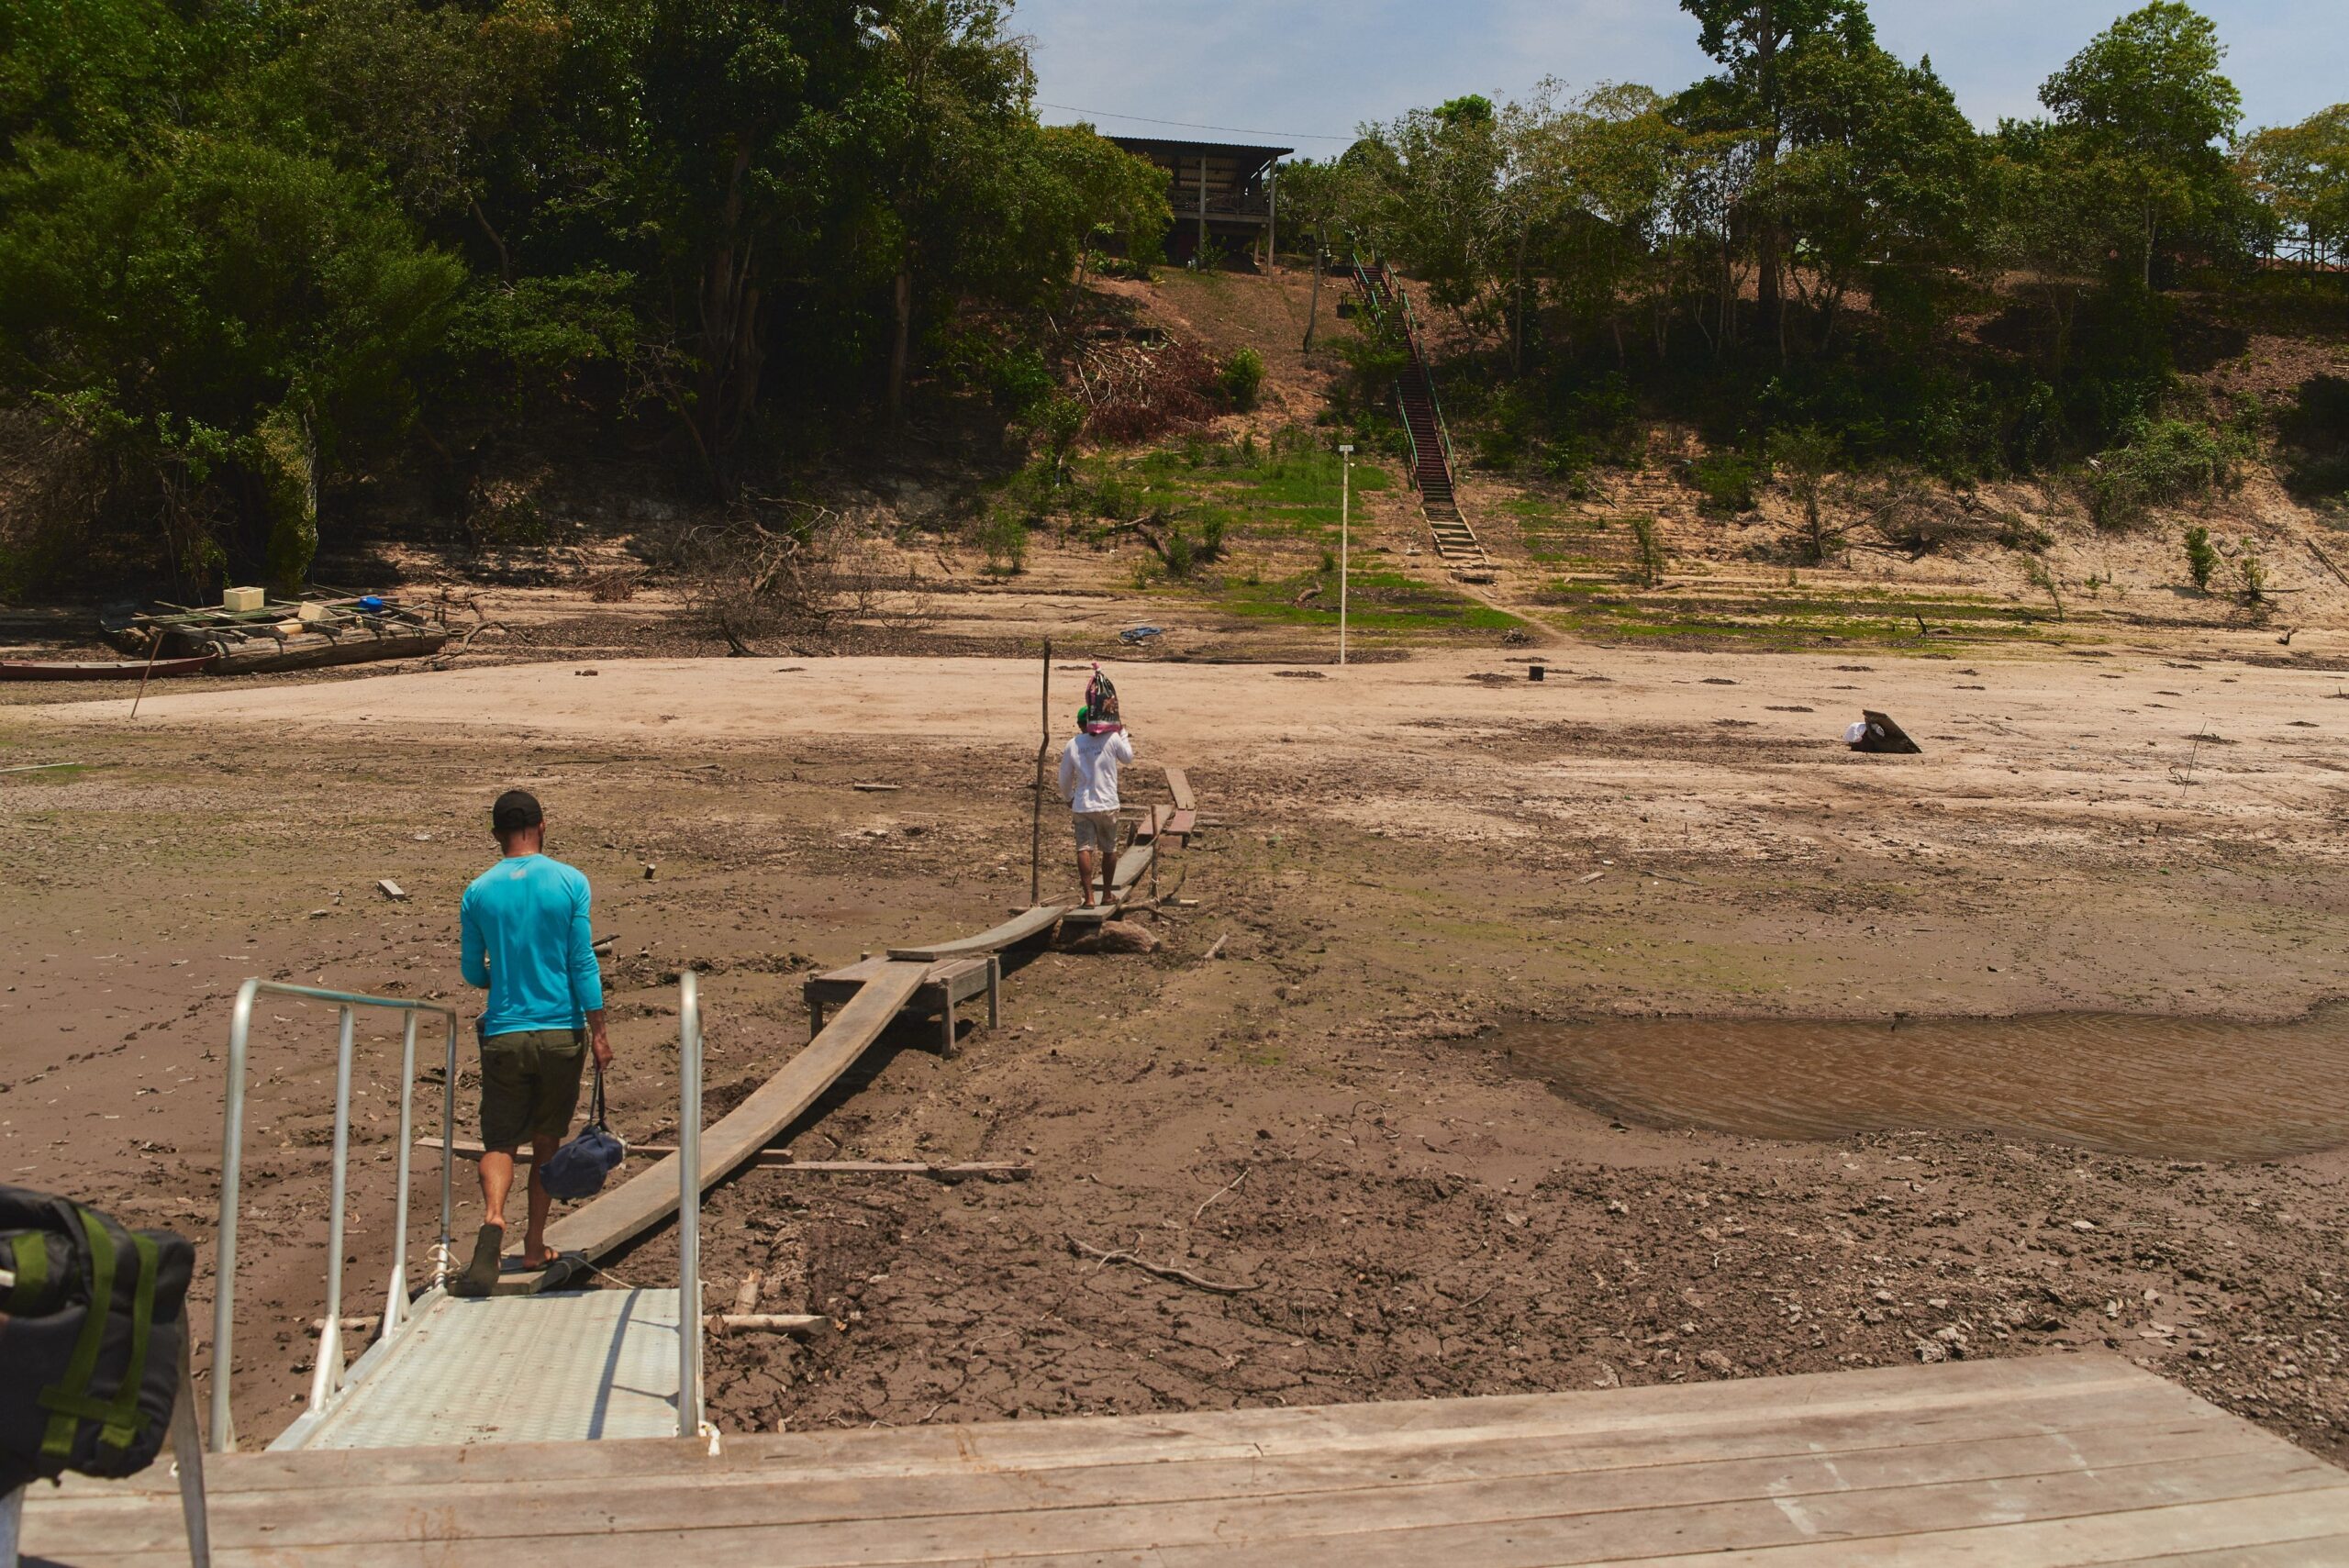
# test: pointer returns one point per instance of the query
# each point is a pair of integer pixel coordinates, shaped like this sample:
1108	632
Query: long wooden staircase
1432	467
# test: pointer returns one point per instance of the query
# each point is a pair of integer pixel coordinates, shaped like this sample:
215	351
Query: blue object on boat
371	603
1138	634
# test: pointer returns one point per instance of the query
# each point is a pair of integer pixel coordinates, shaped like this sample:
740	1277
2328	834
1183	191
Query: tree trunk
505	262
1320	264
901	341
1766	290
728	378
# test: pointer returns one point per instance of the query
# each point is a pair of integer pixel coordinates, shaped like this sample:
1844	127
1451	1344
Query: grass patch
1605	612
1379	600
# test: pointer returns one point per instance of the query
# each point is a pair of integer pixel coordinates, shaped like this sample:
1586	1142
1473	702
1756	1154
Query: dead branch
1220	1191
1163	1271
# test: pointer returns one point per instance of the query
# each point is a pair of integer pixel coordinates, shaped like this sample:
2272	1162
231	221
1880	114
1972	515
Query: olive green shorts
529	1085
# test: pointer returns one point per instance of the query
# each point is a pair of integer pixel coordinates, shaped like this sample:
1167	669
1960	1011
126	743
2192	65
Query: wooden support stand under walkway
2022	1464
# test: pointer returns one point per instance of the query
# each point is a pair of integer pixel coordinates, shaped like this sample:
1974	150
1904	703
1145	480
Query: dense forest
255	256
1814	255
252	251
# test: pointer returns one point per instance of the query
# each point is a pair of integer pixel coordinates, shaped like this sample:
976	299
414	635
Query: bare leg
1085	874
1108	877
496	1181
534	1240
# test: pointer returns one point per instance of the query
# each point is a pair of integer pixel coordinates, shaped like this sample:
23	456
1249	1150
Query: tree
1097	188
227	325
2146	98
1751	40
1879	179
1313	196
1619	162
2301	174
946	115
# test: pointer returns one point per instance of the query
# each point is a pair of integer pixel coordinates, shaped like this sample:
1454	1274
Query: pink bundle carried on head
1101	706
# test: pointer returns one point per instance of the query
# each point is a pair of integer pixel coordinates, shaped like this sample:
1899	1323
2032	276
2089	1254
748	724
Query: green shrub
1181	555
1648	556
2160	461
2201	557
2313	439
2251	572
1004	538
1727	481
1212	532
1241	378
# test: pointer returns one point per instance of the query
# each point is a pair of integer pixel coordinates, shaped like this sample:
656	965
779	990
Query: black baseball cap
514	810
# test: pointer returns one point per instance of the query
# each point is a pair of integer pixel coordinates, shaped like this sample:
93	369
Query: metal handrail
328	1376
1375	294
1403	417
1427	374
689	1318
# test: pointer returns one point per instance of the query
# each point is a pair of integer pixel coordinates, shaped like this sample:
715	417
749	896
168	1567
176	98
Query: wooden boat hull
314	650
101	669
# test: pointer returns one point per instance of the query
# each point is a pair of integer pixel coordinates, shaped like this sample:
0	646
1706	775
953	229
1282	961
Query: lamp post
1345	531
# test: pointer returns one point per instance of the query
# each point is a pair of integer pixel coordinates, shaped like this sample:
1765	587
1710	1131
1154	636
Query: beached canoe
100	669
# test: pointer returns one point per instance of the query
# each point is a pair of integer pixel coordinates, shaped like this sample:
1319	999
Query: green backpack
90	1336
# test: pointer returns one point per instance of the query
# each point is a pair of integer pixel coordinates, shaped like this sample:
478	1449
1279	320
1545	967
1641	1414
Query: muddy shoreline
1403	863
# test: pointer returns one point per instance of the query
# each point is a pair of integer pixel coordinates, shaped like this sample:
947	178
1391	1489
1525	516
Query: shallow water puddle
2188	1088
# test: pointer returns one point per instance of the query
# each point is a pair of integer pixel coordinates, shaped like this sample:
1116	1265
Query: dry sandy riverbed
1406	860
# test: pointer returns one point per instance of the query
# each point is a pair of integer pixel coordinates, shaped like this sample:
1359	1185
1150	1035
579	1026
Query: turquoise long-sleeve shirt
526	936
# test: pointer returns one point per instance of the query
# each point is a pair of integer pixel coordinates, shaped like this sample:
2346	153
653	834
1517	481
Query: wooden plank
2067	1518
952	980
1011	933
596	1227
949	1169
2303	1551
1183	824
1065	1510
1820	1412
2216	1531
780	1158
1178	784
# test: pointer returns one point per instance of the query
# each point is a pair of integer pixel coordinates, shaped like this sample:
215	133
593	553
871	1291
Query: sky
1308	72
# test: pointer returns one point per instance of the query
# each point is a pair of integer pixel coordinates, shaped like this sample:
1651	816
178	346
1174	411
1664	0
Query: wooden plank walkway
627	1211
2030	1462
1011	933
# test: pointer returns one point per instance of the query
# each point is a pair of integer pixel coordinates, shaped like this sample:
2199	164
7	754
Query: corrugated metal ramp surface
565	1367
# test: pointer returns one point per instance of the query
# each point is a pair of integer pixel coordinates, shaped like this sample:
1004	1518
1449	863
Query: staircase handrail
1427	374
1403	417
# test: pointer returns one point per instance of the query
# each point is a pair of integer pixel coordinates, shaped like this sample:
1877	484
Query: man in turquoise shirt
525	937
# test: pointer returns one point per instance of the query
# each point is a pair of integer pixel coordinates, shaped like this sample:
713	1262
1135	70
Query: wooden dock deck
2030	1461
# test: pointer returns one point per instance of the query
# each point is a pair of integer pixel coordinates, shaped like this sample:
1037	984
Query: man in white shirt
1089	765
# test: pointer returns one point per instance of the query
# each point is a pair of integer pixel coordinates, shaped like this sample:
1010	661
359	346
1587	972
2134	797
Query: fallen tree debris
1163	1271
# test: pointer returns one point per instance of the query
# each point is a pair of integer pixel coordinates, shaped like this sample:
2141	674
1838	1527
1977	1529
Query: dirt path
1413	852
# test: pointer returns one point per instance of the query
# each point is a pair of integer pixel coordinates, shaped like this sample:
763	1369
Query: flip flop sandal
565	1271
481	1274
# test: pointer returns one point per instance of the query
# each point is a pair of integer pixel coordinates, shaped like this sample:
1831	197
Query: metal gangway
554	1366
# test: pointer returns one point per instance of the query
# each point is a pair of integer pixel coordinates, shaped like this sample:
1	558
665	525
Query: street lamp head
1347	448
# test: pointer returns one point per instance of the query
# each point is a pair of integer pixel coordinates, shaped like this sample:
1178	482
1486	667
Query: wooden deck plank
1059	1507
1178	784
2037	1461
1020	928
1744	1418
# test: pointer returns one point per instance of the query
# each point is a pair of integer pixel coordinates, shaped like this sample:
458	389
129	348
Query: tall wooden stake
154	651
1345	536
1036	819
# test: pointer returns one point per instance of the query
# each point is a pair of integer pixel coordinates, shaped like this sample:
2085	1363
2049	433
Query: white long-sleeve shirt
1089	765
